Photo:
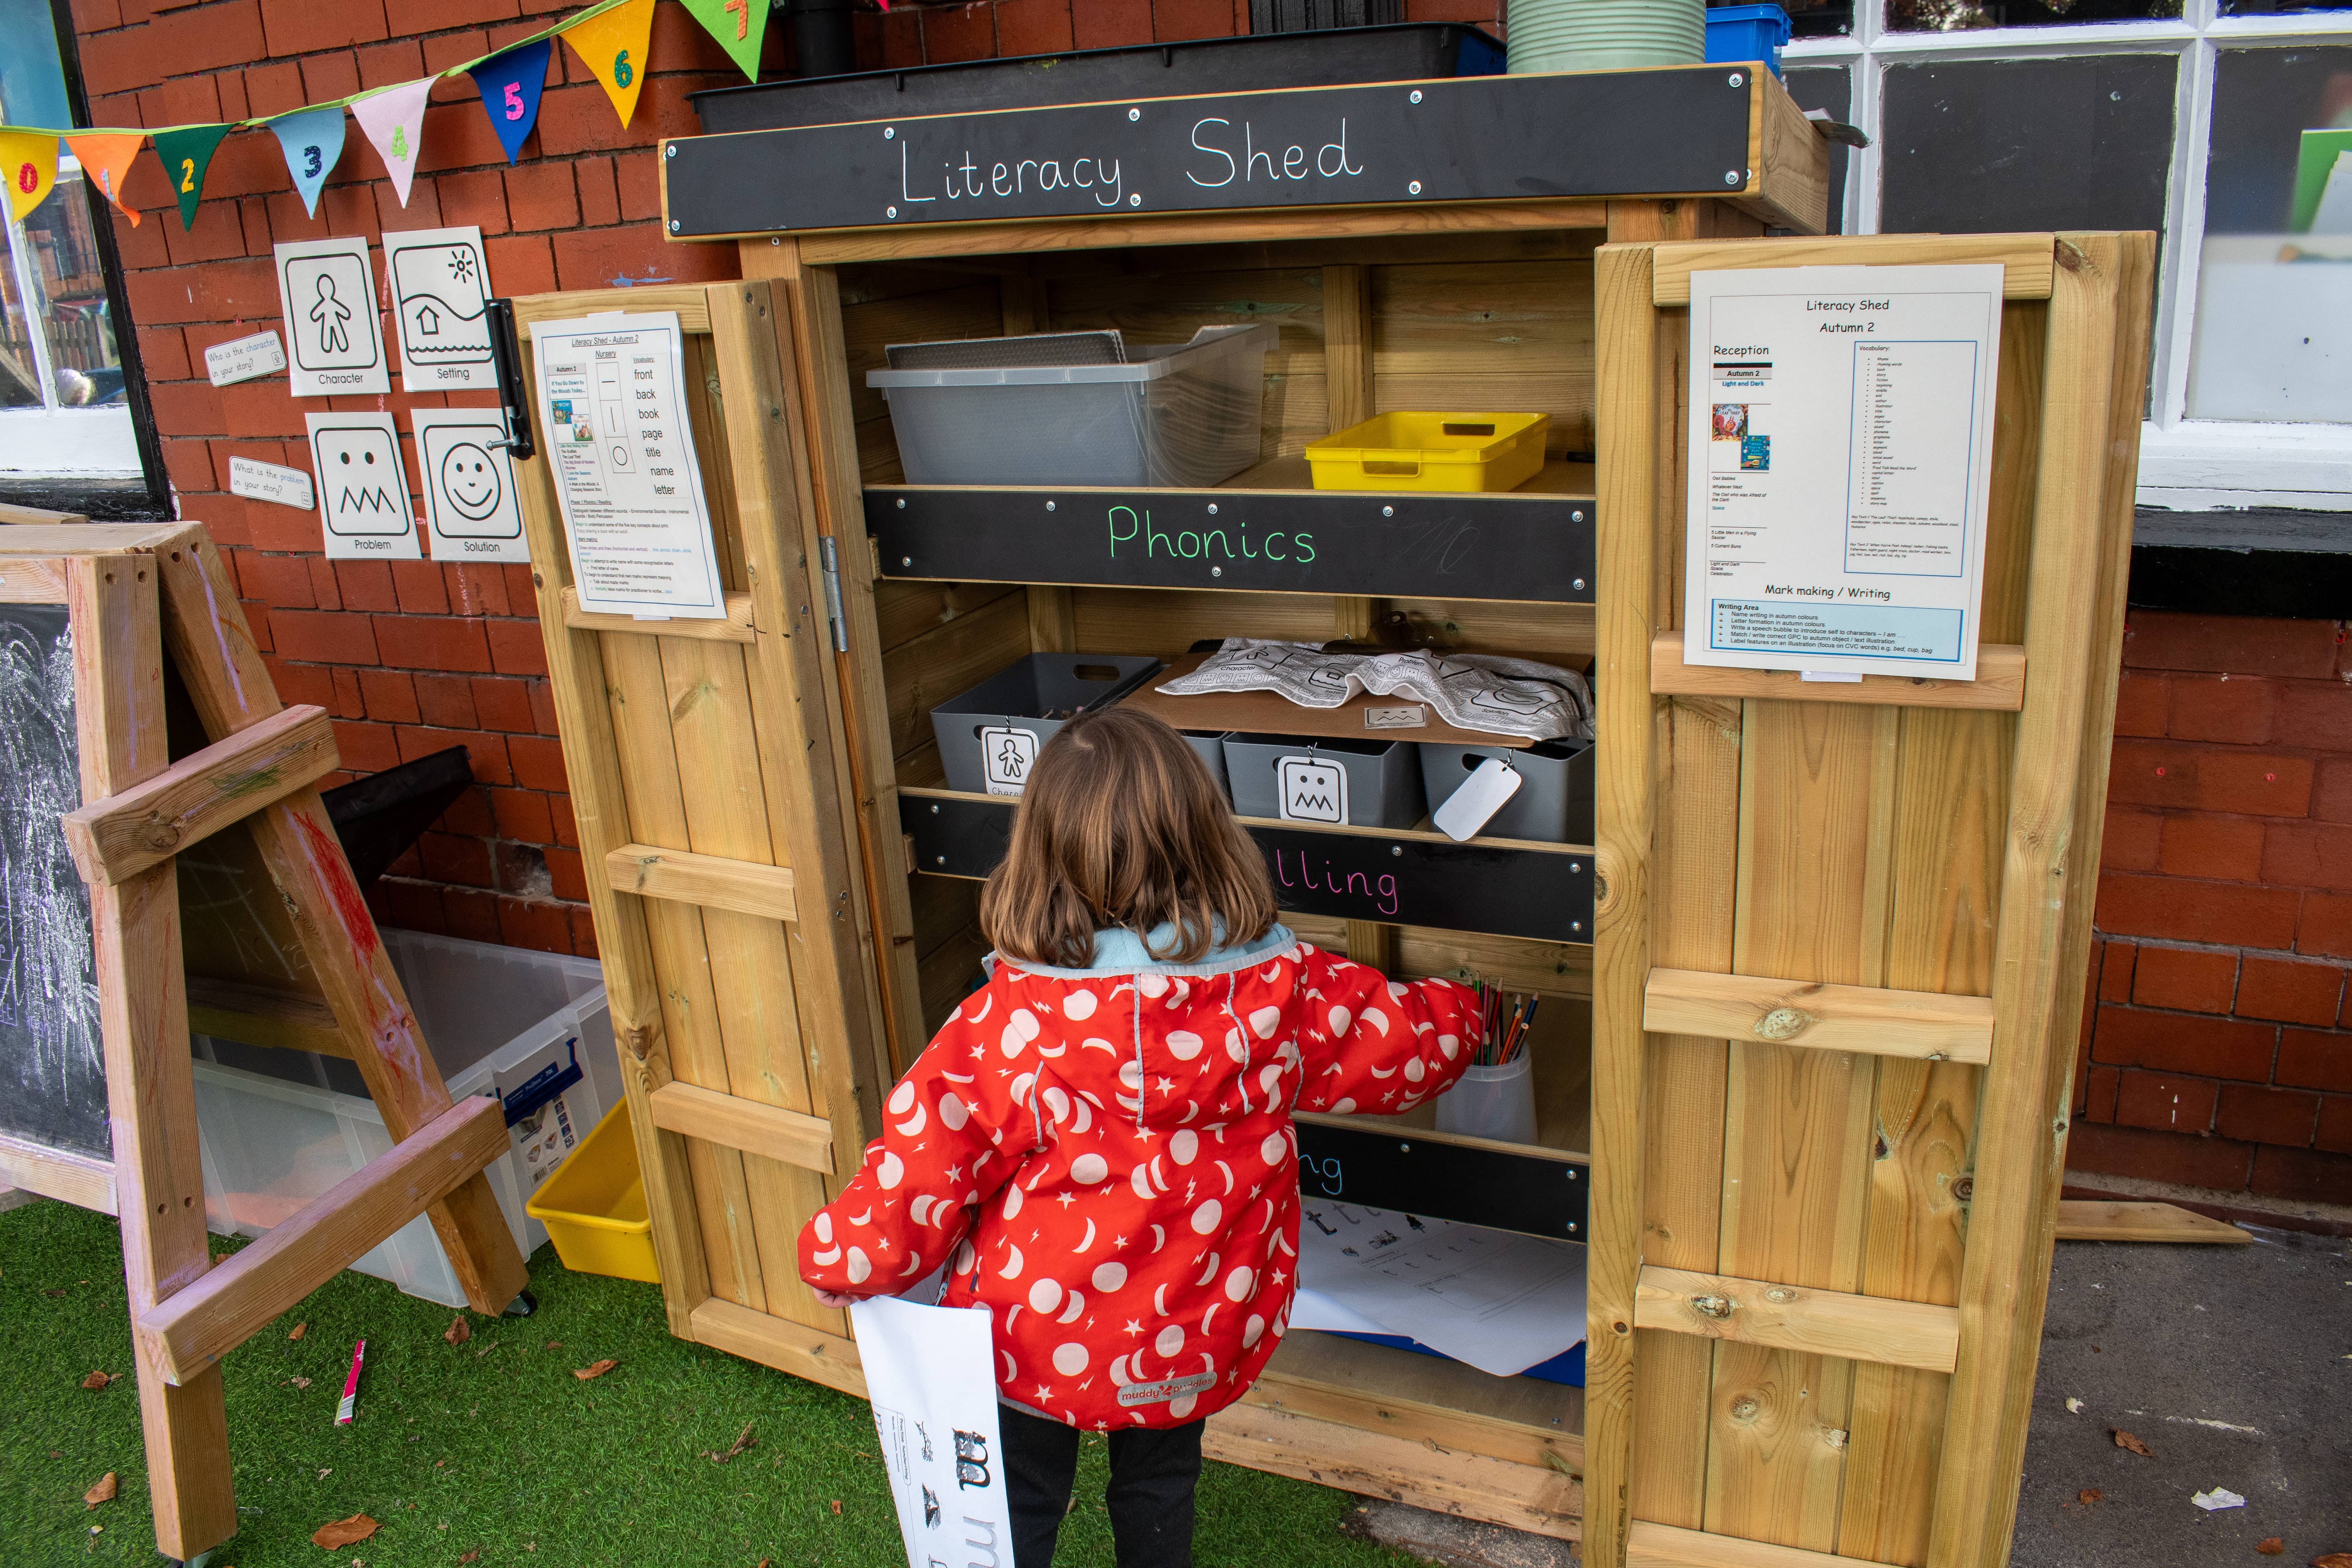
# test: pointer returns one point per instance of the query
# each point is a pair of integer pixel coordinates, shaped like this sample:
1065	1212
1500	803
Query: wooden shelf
1502	887
1267	530
1428	1399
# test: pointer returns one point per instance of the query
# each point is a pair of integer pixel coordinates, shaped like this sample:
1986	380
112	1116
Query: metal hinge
832	561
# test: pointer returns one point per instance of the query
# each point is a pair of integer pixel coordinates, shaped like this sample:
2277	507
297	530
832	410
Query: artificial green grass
493	1447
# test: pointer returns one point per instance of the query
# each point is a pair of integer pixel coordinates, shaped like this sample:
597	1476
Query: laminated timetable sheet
1840	451
611	402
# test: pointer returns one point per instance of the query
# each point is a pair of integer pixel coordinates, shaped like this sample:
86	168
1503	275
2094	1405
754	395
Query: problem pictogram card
326	291
362	488
440	278
470	492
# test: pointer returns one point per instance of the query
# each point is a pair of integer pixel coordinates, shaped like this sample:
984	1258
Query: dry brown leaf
298	1331
52	1293
458	1333
2333	1560
103	1492
555	1344
2271	1546
2090	1495
836	1505
595	1369
742	1440
468	1556
301	1382
2126	1441
99	1379
341	1532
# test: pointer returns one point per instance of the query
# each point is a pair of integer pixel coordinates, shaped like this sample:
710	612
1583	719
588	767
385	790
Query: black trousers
1153	1475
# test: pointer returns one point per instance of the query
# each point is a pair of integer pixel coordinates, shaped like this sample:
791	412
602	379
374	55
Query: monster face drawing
362	490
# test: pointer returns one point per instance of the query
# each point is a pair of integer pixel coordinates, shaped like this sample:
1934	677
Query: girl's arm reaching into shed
1377	1045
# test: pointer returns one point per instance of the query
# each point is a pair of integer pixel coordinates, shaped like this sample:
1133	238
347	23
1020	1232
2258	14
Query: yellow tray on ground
595	1205
1431	452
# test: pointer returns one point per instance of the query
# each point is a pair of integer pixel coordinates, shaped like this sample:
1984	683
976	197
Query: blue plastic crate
1747	33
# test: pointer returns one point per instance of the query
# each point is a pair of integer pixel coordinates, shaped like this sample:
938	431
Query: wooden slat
803	1351
692	305
151	1096
2102	1219
114	839
33	516
768	1131
211	648
31	580
1999	684
46	538
2026	257
2095	378
735	628
1666	1546
257	1015
188	1333
1794	160
1425	1399
1541	1501
1789	1317
713	881
82	1180
1923	1023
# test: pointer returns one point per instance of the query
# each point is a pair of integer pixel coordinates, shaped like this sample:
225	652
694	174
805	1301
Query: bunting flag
29	161
105	157
312	139
740	26
612	44
187	152
393	123
510	84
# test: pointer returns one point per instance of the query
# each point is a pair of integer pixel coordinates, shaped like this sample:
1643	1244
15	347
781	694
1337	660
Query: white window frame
2189	465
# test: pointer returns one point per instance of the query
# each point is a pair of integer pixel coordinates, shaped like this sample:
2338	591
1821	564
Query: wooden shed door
706	769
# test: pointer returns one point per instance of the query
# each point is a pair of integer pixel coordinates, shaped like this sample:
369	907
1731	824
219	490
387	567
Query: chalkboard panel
52	1069
1480	886
1303	541
1411	1172
1656	132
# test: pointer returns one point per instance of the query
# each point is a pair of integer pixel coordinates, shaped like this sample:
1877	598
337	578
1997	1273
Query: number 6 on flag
612	46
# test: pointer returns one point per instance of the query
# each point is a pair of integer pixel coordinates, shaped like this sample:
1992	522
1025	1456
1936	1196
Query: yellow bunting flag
105	159
29	160
613	44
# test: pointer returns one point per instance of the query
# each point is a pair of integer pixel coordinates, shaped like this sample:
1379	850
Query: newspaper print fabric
1469	691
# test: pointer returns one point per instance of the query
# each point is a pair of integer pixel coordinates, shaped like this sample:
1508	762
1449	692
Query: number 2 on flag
187	173
742	17
514	100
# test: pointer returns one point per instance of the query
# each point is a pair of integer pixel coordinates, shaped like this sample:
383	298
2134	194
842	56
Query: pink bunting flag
393	123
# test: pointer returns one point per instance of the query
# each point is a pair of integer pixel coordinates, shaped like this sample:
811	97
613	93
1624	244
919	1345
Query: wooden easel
136	595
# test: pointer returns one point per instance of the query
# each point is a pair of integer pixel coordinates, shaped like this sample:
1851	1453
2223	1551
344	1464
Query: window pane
1966	16
1814	18
2273	334
20	377
1975	147
1829	88
67	273
2270	7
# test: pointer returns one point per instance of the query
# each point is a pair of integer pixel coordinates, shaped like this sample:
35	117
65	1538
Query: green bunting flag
187	152
740	26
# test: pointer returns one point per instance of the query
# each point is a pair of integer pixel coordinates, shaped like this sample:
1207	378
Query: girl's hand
836	1299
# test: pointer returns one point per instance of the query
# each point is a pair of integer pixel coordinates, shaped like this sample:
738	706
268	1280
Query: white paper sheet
930	1375
612	410
1498	1301
1841	449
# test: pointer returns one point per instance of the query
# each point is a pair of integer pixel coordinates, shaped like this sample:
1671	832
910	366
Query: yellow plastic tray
595	1205
1431	452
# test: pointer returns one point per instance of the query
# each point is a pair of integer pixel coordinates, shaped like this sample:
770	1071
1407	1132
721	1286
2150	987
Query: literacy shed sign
1680	132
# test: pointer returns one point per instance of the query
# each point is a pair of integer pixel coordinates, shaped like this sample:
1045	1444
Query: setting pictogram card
363	489
334	337
439	279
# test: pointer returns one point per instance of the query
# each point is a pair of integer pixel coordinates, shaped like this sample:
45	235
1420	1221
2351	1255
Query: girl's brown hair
1122	824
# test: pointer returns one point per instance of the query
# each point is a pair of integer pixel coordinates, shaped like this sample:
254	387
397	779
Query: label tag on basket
1482	794
1312	790
1407	718
1006	755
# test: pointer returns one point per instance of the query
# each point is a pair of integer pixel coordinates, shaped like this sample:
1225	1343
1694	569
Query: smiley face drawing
361	489
469	480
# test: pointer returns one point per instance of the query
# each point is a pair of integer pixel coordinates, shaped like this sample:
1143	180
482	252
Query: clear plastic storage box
1183	415
277	1129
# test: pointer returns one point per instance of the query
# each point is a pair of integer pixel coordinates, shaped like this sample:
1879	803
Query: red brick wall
2218	1043
915	34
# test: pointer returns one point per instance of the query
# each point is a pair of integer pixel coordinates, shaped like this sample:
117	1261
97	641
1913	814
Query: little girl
1101	1135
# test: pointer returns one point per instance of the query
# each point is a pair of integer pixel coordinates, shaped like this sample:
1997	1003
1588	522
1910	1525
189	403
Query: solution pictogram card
469	492
363	489
327	290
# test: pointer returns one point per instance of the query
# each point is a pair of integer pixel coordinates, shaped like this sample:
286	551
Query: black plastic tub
1338	57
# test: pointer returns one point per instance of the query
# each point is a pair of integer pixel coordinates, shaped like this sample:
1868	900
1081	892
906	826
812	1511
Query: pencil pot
1492	1102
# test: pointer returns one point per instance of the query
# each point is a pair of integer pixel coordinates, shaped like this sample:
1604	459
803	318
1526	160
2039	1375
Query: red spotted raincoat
1109	1156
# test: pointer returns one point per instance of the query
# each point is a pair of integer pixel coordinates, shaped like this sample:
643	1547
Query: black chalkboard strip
1678	132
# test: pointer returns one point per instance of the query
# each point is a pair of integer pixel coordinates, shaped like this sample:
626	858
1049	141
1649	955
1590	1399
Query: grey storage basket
1553	803
1383	781
1181	415
1017	698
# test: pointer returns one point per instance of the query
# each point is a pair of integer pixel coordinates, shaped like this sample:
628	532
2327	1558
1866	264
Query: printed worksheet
1497	1300
1841	449
611	412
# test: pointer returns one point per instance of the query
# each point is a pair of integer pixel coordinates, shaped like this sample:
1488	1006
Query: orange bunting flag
612	44
105	160
29	160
